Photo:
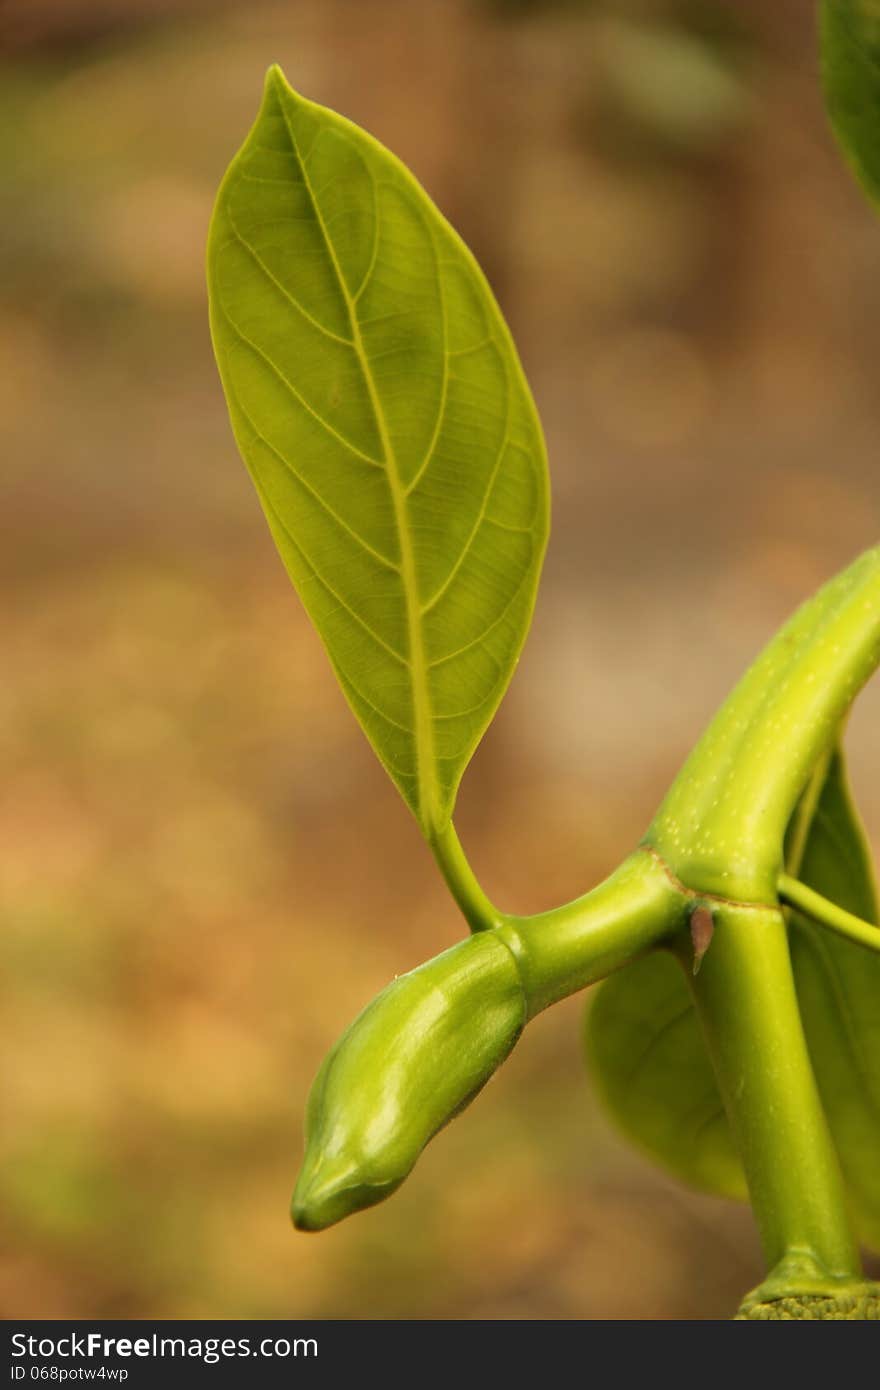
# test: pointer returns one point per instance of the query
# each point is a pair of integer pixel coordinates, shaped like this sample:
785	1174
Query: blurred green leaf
672	90
850	41
653	1072
379	404
838	983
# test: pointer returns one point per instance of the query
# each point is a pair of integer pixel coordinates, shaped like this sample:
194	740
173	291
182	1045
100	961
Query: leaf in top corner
378	401
850	44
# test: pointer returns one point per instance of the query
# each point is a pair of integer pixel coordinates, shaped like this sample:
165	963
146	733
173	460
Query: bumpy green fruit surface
845	1308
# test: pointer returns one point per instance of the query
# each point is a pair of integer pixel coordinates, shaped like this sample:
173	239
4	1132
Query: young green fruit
407	1064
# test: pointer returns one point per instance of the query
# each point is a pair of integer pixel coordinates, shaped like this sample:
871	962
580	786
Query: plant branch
636	910
747	1004
828	914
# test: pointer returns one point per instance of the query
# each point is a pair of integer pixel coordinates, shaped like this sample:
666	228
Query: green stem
828	914
801	824
746	1001
745	997
636	909
562	951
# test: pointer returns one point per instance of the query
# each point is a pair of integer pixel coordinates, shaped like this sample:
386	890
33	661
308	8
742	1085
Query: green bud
408	1063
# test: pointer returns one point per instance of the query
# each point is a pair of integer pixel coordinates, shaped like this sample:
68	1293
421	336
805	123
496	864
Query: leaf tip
275	78
276	87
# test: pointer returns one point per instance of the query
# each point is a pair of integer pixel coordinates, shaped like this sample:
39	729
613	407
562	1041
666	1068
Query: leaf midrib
418	666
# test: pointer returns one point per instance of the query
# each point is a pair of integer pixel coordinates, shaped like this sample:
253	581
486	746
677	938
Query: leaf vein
319	419
481	514
481	636
282	289
344	605
444	388
313	492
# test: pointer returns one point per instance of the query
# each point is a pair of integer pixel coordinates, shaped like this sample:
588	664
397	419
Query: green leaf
646	1052
378	401
850	44
838	983
651	1065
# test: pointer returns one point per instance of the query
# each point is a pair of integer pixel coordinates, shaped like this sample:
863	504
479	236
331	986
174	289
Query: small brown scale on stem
702	928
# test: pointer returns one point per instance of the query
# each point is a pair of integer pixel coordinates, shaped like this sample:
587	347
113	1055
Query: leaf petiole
828	914
479	913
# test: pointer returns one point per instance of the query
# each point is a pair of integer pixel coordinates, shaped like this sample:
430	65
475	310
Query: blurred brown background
204	873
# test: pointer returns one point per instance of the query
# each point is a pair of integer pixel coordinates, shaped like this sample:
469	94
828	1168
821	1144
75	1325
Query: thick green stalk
746	1001
636	909
721	826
